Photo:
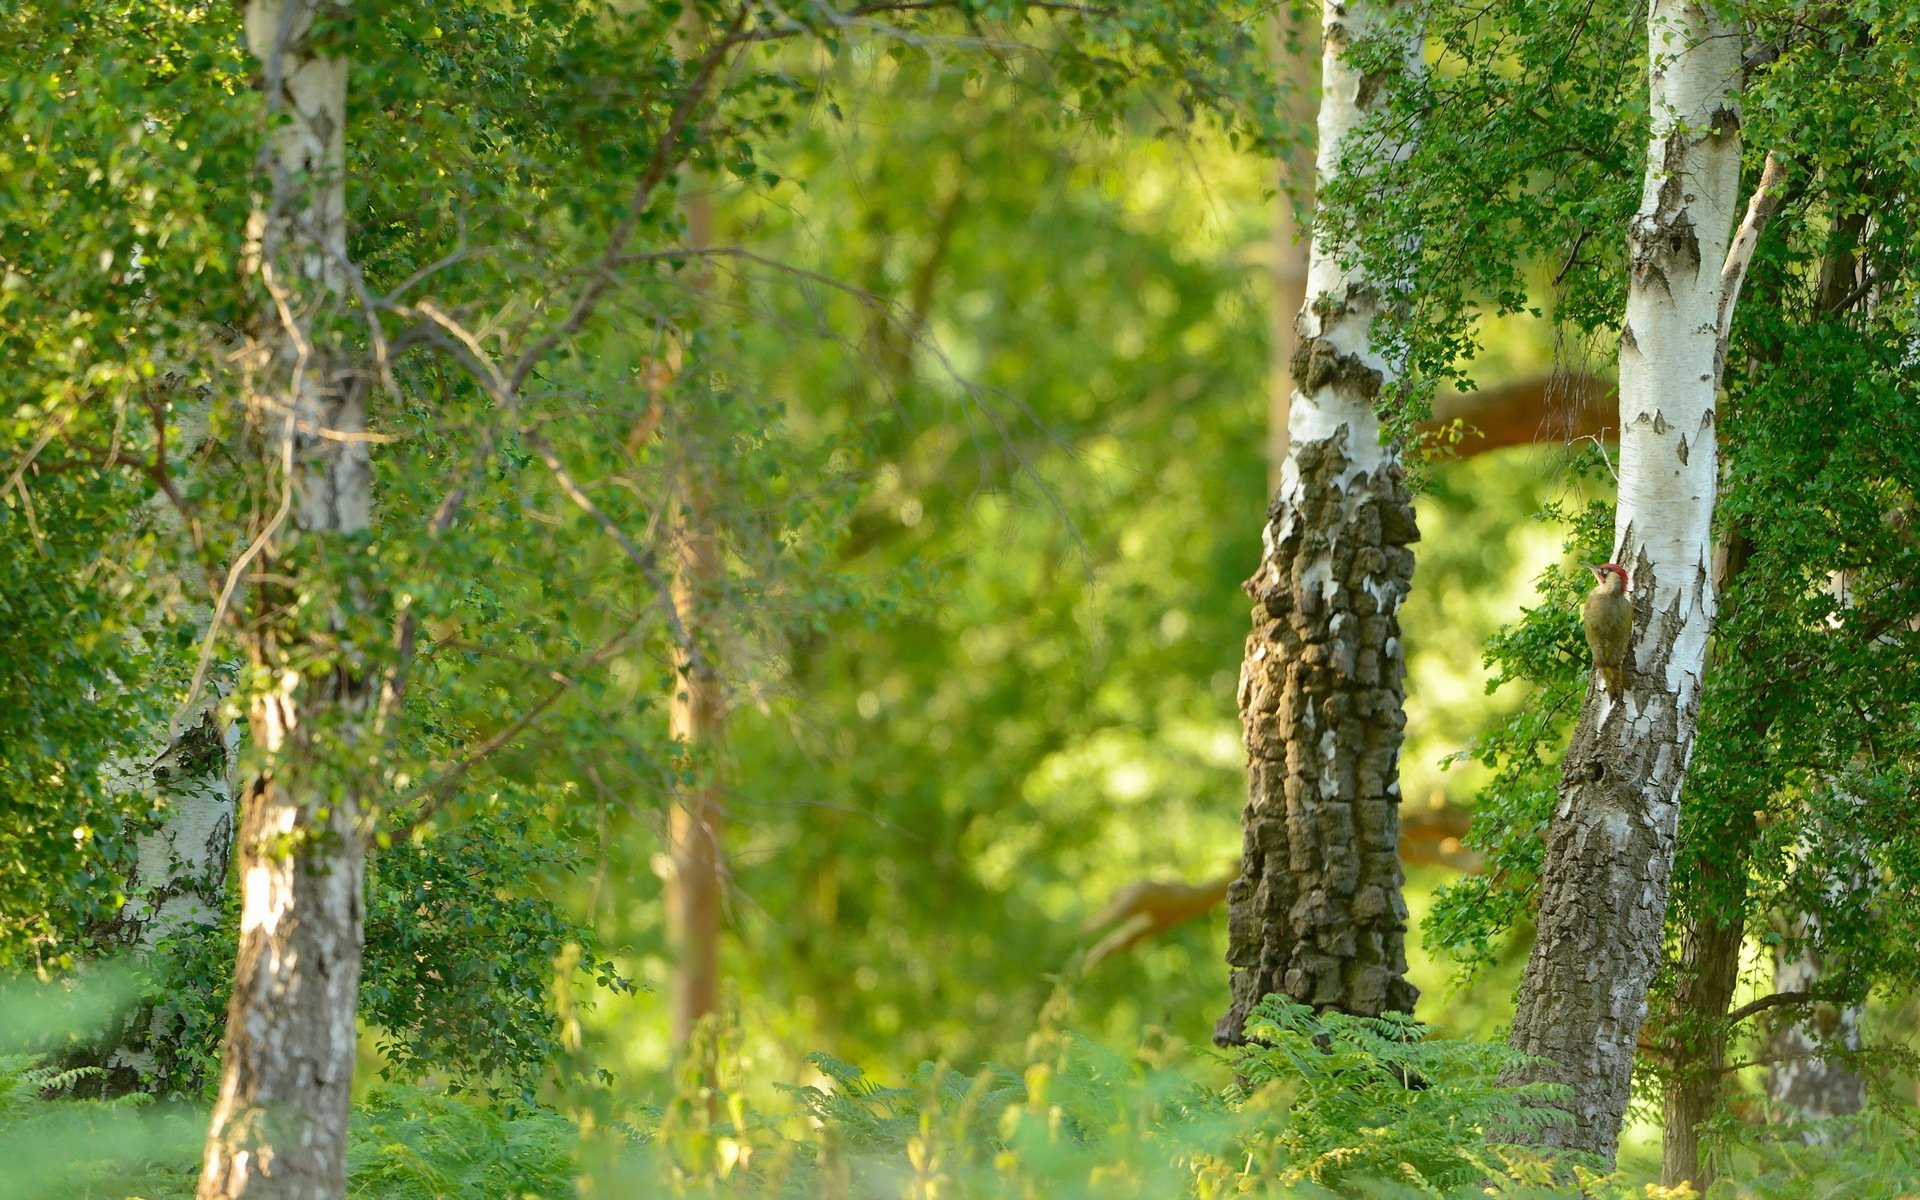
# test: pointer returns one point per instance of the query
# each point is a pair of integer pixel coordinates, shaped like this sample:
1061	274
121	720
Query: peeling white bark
1610	850
1335	326
178	881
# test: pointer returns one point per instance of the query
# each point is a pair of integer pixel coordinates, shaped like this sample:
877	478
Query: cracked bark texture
1317	911
279	1125
1609	852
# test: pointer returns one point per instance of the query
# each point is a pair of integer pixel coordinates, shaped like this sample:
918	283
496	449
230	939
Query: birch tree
1317	912
1609	853
279	1126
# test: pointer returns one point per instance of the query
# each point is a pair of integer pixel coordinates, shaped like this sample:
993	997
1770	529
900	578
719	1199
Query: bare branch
1760	209
1776	1000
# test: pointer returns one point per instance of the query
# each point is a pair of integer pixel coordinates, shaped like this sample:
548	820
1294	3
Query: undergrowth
1318	1106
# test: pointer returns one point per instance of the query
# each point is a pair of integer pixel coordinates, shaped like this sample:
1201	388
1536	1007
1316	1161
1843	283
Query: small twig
234	573
1602	448
665	156
1573	256
52	430
501	390
644	559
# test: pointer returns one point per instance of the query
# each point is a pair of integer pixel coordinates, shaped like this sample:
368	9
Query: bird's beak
1594	567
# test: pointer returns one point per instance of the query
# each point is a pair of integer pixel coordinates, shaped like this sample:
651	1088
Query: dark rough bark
1709	968
1317	912
1604	884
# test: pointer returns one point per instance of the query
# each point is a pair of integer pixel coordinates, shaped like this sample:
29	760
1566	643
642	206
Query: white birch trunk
176	887
1317	912
1610	850
280	1124
178	882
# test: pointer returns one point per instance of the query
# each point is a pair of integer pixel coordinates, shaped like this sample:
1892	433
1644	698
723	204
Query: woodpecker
1609	620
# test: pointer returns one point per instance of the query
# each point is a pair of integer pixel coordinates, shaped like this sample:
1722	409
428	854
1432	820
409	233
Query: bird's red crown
1601	570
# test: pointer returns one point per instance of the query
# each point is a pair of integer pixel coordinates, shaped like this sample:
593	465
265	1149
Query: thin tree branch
1760	209
1776	1000
666	156
433	794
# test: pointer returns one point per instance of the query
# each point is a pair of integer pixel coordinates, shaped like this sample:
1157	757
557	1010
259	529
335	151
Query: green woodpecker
1609	621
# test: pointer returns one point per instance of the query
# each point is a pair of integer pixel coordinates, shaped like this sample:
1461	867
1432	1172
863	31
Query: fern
26	1078
411	1144
1351	1098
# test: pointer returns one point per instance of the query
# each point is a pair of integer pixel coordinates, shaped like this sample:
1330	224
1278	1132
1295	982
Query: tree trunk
177	885
1609	854
697	722
1317	911
1709	970
280	1124
1299	74
1696	1028
1806	1078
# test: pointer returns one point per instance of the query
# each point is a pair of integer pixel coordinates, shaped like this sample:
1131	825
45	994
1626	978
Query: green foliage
60	1148
1871	1157
1546	653
1345	1099
1324	1107
1531	137
463	941
410	1144
1003	624
69	709
971	401
406	1142
55	1147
